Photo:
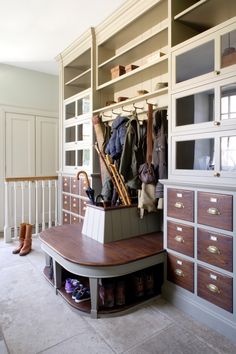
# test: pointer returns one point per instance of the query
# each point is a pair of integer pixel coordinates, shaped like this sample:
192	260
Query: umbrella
89	191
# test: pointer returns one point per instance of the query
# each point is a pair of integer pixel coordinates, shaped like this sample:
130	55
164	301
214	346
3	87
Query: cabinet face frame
194	43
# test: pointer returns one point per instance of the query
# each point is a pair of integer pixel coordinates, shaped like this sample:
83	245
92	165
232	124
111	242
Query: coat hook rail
116	113
126	110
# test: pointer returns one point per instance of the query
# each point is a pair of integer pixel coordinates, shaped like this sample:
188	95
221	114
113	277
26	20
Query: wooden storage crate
117	71
130	67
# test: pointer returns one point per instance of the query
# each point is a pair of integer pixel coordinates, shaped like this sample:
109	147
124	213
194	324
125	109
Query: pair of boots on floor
25	240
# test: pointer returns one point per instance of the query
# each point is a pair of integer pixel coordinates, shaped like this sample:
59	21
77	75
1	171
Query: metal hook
106	115
137	107
154	104
115	112
125	110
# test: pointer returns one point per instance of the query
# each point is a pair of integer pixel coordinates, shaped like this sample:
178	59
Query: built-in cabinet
179	55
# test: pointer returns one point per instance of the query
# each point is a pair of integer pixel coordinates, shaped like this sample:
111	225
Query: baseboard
201	313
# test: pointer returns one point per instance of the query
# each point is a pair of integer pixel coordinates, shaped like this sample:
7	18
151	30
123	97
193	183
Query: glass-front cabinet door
202	155
77	137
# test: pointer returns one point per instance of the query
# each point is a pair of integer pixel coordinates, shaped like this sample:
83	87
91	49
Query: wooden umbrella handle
86	177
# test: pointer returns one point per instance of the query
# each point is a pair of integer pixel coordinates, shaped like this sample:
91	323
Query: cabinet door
46	146
20	145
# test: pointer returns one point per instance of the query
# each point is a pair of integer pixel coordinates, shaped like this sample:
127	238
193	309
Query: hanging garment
160	148
133	152
115	144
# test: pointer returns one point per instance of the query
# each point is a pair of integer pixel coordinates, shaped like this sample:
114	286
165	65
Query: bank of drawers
73	205
213	248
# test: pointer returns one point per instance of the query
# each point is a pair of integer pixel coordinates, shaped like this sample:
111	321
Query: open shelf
133	100
137	71
83	78
46	271
207	13
135	51
84	306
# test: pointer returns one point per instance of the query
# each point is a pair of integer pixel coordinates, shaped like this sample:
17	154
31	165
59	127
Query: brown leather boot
21	238
27	242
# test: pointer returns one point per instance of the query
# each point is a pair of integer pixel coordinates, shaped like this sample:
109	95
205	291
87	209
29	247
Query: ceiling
33	32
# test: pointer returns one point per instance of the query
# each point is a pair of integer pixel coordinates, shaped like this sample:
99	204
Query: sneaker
83	295
76	290
71	284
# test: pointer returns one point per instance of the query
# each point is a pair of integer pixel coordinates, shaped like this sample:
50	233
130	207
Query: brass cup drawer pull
179	239
213	288
179	205
213	249
179	272
213	211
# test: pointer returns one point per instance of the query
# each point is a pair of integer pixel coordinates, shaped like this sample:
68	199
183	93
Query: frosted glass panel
194	109
228	153
70	110
70	158
195	154
195	62
228	102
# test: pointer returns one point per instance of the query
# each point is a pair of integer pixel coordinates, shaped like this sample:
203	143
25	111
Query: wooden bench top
68	241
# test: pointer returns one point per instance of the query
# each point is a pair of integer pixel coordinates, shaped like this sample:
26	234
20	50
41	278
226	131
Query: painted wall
28	88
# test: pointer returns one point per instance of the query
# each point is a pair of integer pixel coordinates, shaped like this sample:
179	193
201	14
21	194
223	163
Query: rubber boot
27	242
21	238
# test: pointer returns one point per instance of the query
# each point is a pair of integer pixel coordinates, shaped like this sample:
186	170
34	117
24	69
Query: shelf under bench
86	257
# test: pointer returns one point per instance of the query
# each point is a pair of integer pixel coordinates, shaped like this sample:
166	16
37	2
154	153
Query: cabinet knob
217	174
179	205
179	238
217	72
216	123
213	211
213	288
179	272
213	249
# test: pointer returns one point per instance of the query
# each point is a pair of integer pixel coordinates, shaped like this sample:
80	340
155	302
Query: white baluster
30	201
49	203
15	212
55	202
7	230
36	209
22	202
43	205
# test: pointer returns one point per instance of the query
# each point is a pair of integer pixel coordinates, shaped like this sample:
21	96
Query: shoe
21	238
83	295
71	284
76	290
27	241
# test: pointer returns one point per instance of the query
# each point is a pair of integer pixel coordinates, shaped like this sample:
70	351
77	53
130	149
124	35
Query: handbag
146	173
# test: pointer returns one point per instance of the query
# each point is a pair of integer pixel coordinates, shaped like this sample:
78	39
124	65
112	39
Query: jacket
115	144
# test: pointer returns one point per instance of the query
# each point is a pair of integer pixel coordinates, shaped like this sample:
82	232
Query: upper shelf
133	73
83	78
207	13
141	45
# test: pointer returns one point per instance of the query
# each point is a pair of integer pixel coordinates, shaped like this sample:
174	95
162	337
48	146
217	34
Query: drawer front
180	238
215	210
65	218
66	201
83	205
180	204
180	272
66	184
215	287
75	219
74	185
75	205
83	187
216	249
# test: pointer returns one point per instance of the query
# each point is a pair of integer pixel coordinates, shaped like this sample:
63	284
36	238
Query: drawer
66	184
216	249
75	219
74	185
215	287
65	218
215	210
180	204
83	205
75	205
180	272
66	201
180	238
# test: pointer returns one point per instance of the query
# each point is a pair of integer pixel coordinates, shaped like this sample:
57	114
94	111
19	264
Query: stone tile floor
34	320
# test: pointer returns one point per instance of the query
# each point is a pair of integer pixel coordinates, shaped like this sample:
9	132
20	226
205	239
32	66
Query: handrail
38	178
